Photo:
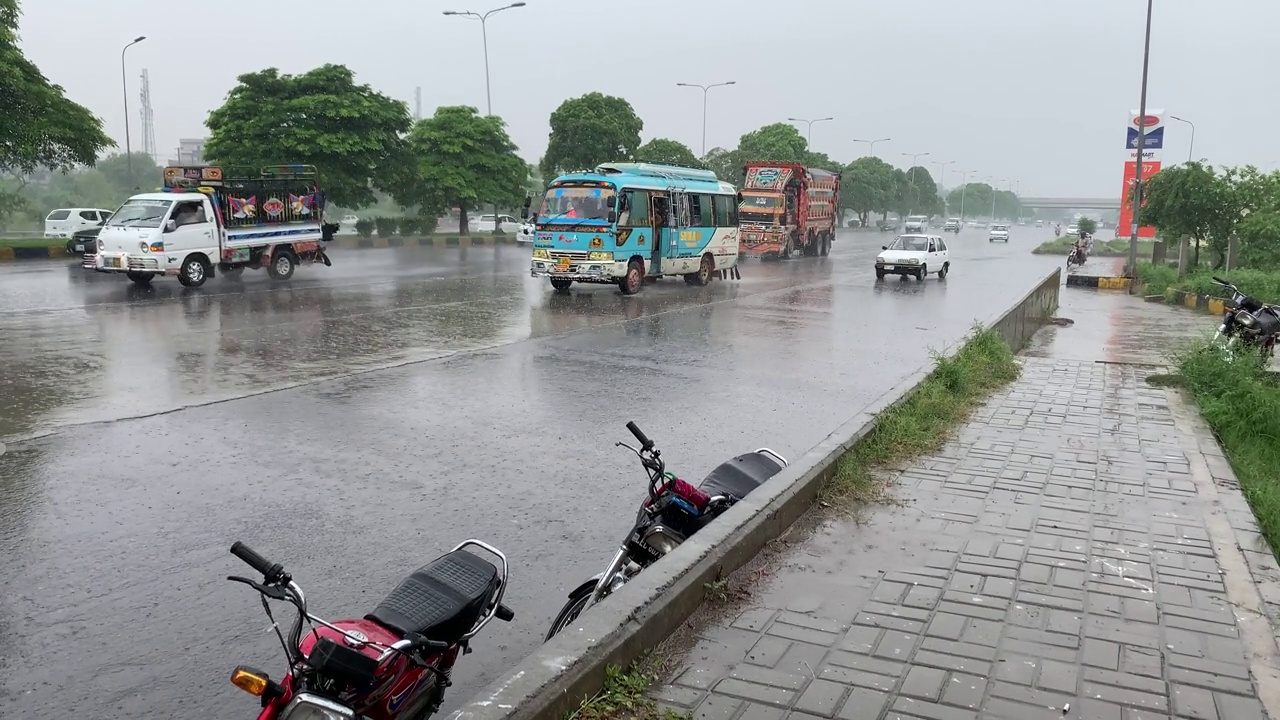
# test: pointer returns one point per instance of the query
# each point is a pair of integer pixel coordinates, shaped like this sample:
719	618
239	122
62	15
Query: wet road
361	419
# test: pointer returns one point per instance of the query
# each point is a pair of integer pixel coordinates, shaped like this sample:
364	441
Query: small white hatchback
914	255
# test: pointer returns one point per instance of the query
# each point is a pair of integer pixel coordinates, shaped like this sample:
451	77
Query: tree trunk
1195	258
463	224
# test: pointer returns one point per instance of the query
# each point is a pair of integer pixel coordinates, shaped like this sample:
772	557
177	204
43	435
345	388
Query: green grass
623	695
1265	286
924	422
1241	402
1118	247
26	242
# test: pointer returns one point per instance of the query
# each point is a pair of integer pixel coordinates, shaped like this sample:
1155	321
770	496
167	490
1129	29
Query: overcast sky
1029	90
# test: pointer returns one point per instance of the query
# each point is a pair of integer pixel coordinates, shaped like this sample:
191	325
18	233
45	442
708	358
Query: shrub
1157	278
386	226
409	226
1265	286
427	224
364	227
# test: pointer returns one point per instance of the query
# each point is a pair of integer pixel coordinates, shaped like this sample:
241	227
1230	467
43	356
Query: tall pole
964	188
809	137
124	83
1191	150
914	157
705	89
1142	142
942	178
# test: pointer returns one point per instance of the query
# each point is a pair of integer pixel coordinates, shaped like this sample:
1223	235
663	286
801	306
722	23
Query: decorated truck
206	221
786	208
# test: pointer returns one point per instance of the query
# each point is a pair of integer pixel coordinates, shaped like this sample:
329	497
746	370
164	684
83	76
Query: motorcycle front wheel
570	612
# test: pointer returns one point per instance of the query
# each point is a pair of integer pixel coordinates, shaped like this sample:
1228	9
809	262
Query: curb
40	252
350	243
1208	303
554	679
1100	282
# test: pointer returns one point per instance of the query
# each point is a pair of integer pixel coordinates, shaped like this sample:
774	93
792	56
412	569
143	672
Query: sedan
84	242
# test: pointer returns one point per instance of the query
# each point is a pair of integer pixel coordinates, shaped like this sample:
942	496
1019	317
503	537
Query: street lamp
1142	142
994	192
810	122
942	177
914	157
872	143
124	84
484	33
964	189
1191	149
704	89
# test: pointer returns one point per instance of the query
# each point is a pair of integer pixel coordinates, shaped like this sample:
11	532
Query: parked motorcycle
395	662
1246	320
672	512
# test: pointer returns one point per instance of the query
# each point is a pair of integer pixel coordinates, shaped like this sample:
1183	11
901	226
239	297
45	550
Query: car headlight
600	257
913	261
880	260
541	254
312	707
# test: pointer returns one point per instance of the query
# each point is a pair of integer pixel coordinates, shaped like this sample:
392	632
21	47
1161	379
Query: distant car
952	225
998	232
526	233
84	242
914	255
1073	229
505	224
1039	223
916	224
888	225
1022	222
64	222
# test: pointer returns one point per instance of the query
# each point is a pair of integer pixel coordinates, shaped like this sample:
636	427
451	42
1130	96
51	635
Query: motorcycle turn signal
256	682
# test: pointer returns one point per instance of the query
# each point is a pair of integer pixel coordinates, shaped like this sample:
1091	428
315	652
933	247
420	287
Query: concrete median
555	678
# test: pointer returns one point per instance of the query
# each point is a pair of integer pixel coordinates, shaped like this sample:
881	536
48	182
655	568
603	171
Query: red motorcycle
395	662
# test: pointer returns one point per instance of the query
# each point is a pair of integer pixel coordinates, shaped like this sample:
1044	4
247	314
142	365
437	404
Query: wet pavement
359	420
1081	551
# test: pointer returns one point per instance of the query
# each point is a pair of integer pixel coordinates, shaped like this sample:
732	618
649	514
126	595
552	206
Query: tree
779	142
725	164
461	158
590	130
147	175
1087	225
970	199
351	133
924	196
1193	200
866	186
39	126
668	152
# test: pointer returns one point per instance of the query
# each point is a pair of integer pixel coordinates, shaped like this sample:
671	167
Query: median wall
554	679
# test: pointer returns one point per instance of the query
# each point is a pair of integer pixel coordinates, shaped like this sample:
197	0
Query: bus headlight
541	254
600	257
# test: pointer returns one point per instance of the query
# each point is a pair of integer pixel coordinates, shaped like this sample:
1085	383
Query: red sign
1149	168
1152	121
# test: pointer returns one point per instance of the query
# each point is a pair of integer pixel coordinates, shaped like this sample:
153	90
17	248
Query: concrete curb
359	243
40	252
555	678
1100	282
1208	303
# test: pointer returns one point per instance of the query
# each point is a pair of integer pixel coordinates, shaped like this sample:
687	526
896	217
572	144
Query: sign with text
1153	140
1125	227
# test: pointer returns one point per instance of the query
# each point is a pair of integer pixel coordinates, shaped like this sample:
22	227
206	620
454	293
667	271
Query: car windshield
566	204
141	213
913	243
999	227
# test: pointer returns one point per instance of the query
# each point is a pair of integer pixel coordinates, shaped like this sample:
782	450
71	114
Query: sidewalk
1079	551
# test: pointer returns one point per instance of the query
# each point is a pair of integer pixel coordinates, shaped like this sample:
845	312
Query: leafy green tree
459	158
1196	201
724	163
867	185
350	132
974	198
1087	225
924	198
589	130
668	152
779	142
39	126
147	175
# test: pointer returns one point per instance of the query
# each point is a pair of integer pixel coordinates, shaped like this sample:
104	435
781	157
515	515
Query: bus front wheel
633	281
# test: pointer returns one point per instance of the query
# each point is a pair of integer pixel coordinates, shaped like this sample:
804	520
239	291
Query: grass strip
27	242
1160	279
928	418
1240	401
1118	247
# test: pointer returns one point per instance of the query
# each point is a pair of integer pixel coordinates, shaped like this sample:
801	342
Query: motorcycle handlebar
645	442
1220	281
271	571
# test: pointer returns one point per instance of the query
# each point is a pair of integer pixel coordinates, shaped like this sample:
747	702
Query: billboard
1151	155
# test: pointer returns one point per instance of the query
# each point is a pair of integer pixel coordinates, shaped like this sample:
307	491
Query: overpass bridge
1070	203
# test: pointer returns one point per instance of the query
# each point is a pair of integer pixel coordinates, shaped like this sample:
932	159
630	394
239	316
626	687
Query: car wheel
634	279
879	274
942	274
140	279
194	271
924	270
282	265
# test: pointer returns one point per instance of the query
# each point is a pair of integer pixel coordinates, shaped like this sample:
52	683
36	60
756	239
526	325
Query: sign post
1151	156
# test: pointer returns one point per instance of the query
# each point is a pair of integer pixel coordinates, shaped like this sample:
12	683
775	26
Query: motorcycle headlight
662	539
600	257
313	707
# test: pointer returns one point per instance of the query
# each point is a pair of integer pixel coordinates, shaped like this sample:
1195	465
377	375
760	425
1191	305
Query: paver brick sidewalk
1060	552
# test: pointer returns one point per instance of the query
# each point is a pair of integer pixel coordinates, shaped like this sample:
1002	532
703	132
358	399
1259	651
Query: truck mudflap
729	273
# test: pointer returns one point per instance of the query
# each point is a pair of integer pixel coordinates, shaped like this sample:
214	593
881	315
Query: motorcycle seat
441	600
739	476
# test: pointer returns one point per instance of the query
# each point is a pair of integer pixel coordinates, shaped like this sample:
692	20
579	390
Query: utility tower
148	119
417	103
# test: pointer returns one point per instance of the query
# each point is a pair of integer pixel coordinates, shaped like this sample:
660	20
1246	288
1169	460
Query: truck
206	221
787	207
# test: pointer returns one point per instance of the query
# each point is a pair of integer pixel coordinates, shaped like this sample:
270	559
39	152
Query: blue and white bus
625	222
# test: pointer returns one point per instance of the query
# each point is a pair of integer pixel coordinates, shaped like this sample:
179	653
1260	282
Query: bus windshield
566	204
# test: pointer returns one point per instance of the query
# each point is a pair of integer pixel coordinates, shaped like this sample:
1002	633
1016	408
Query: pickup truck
952	225
998	232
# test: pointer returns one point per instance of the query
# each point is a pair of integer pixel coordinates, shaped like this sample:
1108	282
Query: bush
386	226
1241	402
1265	286
427	224
1156	279
409	226
364	227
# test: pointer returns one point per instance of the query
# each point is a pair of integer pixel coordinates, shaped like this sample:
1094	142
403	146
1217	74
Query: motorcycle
1249	321
1075	257
394	663
672	511
1057	231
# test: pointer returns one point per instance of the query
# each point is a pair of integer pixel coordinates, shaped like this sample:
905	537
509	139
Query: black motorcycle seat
441	600
741	475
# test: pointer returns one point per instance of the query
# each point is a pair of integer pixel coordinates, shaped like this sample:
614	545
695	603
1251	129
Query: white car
916	224
505	224
952	225
1073	229
915	255
1039	223
65	222
998	232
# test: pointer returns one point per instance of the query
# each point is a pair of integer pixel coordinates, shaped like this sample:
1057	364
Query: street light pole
1191	150
942	177
914	157
484	34
124	84
704	89
964	189
994	190
809	140
1142	141
872	143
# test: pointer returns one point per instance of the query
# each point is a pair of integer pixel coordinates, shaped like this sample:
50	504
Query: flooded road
359	420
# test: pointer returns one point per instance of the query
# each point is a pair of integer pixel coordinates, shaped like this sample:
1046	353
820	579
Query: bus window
682	205
703	210
725	207
636	213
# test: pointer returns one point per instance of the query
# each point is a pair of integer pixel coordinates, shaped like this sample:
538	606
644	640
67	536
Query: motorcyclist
1057	229
1083	247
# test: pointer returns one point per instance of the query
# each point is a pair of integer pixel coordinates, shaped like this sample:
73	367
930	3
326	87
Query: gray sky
991	84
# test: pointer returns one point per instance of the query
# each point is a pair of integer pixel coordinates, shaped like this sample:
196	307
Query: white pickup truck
205	223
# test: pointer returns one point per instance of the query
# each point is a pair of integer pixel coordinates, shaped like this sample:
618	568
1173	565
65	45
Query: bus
624	223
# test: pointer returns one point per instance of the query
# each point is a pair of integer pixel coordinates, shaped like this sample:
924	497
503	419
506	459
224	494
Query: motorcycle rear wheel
570	612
